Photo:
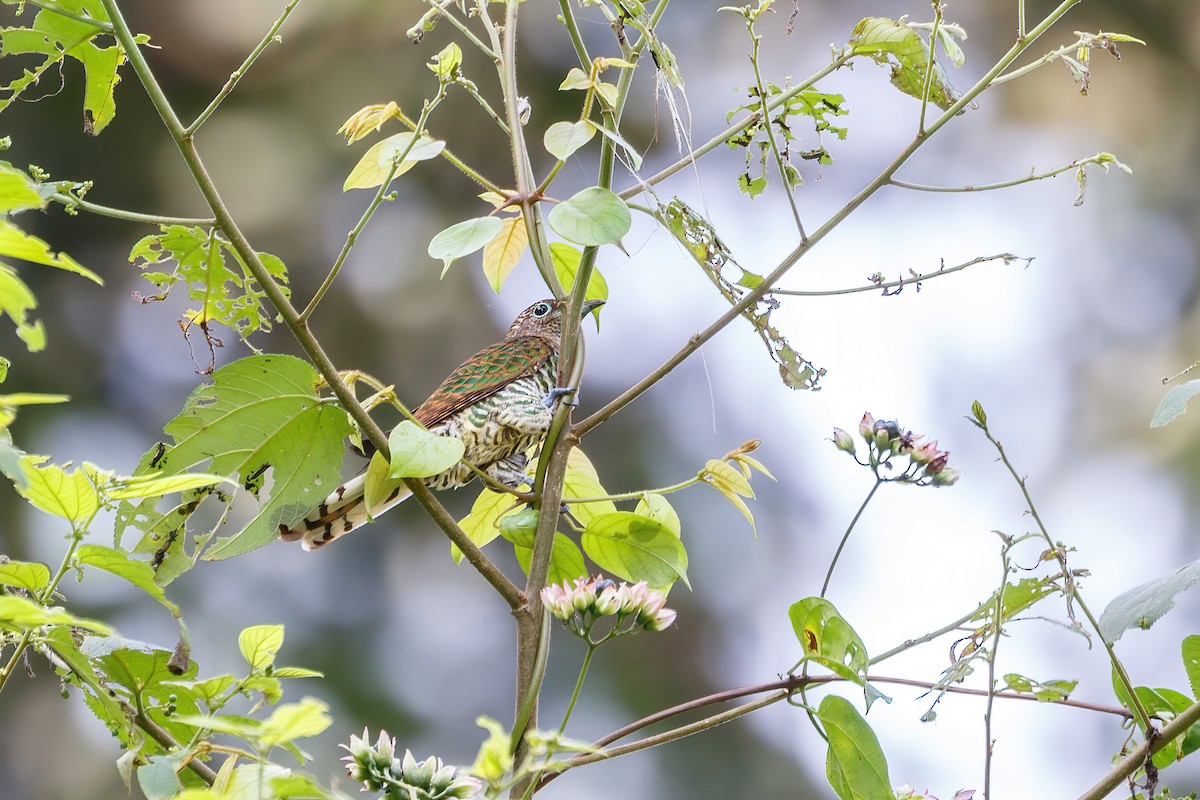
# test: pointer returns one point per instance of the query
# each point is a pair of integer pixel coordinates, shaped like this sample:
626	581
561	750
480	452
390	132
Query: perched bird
499	402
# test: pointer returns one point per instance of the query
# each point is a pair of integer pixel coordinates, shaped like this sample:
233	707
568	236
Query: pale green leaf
378	485
157	485
482	525
576	79
503	252
373	168
635	158
854	764
581	481
296	672
1174	403
1190	650
417	453
15	243
159	779
1143	605
828	639
24	614
897	46
28	575
727	478
463	238
124	566
635	548
64	494
657	508
259	644
593	216
562	139
566	560
17	301
294	721
17	191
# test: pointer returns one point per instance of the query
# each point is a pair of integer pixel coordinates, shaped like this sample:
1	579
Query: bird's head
544	318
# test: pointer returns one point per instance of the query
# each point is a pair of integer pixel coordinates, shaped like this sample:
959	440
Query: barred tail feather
342	512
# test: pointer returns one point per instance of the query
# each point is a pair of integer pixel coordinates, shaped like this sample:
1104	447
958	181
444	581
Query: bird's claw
561	392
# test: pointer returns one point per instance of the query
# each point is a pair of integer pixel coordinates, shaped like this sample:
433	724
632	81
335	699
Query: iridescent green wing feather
484	374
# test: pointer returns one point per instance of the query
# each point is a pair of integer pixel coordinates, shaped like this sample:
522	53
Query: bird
499	402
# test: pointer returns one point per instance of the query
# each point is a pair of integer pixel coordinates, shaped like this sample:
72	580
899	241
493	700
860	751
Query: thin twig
886	285
69	201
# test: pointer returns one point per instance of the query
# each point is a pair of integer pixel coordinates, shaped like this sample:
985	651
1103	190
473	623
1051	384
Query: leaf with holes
261	418
895	45
828	639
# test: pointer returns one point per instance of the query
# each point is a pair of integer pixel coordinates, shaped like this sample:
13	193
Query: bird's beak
589	305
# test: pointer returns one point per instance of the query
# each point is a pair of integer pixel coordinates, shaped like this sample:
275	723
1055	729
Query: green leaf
897	46
1143	605
1018	597
635	158
635	548
483	523
372	169
658	508
15	243
294	721
1174	403
123	565
417	453
562	139
28	575
463	238
582	481
17	191
594	216
566	265
566	560
53	490
159	779
22	614
259	644
208	689
216	279
854	764
17	301
828	639
296	672
1190	650
155	485
56	36
261	417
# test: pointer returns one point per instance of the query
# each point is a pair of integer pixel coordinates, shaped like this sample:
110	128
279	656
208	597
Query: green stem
463	29
454	160
42	600
884	285
928	85
991	677
987	187
756	40
1072	591
98	24
1140	755
754	295
568	17
583	670
237	74
929	637
846	536
639	494
352	237
130	216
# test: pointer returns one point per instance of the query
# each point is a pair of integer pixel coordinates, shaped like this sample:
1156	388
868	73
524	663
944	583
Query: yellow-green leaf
15	243
28	575
64	494
657	508
121	564
156	485
373	168
483	523
294	721
259	644
22	614
726	478
417	453
503	252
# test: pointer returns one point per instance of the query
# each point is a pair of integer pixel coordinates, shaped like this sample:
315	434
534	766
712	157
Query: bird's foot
561	392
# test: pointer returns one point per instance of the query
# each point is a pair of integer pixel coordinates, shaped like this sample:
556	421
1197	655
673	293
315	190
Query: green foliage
854	763
57	36
566	261
592	217
636	548
897	45
261	418
1046	691
562	139
827	639
29	576
403	150
417	453
123	565
1144	605
463	238
226	292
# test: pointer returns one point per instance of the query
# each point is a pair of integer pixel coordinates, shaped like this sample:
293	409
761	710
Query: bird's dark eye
541	309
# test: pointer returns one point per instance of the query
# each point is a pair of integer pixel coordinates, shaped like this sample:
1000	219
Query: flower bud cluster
885	440
582	604
380	770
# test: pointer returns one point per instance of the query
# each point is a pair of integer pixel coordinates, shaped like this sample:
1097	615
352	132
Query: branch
885	285
1142	753
48	5
160	735
70	201
790	260
237	74
1099	158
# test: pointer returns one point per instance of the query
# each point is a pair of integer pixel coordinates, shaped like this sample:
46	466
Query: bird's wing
484	374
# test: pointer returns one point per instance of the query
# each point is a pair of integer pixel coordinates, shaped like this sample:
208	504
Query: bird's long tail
342	512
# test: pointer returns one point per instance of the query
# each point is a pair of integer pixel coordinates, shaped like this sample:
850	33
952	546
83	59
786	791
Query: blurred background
1066	355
